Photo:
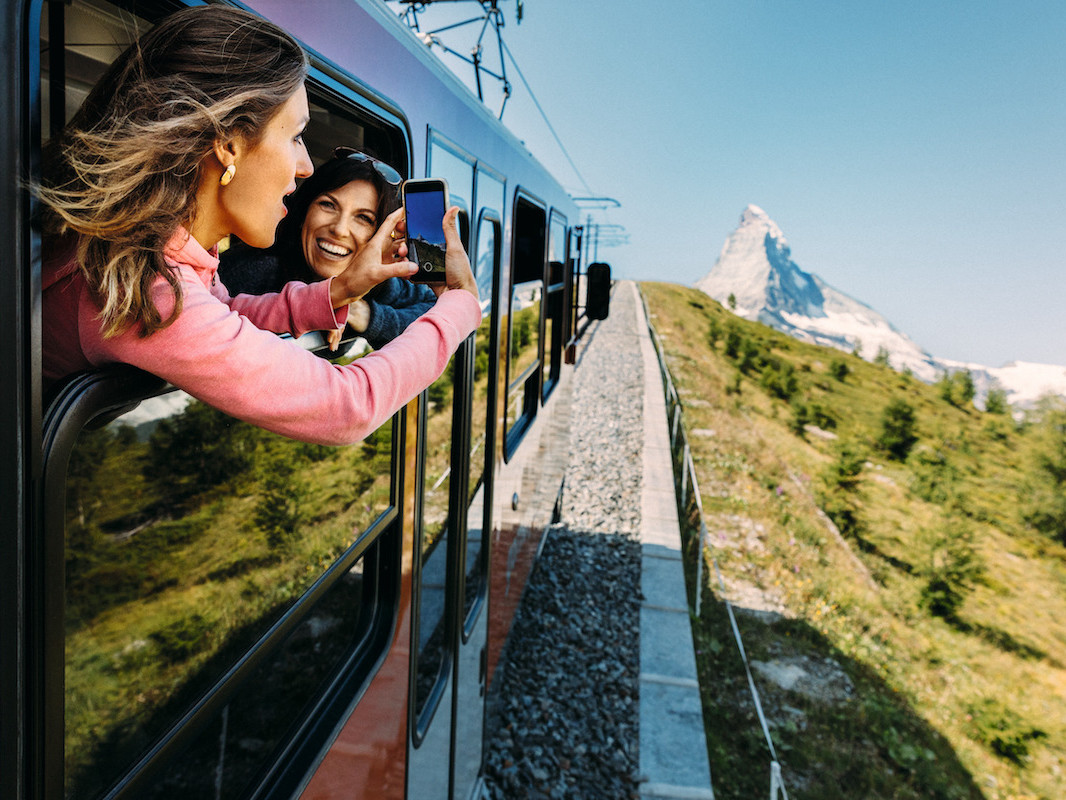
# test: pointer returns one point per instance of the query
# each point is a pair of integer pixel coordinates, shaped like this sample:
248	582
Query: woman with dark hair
332	215
195	133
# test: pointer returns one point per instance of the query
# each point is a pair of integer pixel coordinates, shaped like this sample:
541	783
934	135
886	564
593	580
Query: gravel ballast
564	717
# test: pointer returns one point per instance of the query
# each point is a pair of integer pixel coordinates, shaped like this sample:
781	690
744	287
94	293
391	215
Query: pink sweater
221	351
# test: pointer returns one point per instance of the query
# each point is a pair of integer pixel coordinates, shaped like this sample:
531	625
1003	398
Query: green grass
945	611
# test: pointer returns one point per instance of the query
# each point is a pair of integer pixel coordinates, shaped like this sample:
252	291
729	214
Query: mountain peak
755	219
756	269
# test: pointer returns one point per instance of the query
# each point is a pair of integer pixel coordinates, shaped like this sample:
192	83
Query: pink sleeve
219	357
296	309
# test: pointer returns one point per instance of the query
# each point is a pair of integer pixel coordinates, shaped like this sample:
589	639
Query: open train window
228	592
524	349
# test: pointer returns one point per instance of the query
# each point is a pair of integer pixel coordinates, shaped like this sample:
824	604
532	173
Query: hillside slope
912	643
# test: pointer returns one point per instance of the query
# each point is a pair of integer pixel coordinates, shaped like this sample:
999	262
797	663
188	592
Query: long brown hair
123	173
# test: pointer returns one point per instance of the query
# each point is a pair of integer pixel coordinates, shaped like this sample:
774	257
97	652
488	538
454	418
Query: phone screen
424	204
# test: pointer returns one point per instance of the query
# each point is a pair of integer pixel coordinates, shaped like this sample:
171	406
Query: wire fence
695	542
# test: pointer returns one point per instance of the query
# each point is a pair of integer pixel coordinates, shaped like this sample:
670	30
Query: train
193	607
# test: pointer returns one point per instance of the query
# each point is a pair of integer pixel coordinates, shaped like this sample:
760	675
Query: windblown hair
124	172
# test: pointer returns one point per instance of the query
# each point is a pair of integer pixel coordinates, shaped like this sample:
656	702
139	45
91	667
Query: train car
192	607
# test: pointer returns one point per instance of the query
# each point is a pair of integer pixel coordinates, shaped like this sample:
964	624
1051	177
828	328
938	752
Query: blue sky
913	153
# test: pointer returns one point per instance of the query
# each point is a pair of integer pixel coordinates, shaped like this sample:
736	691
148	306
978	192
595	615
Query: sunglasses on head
387	173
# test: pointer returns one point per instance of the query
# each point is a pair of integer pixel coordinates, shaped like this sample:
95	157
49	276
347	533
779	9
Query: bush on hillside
898	424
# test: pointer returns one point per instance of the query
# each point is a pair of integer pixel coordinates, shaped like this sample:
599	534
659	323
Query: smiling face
337	225
251	206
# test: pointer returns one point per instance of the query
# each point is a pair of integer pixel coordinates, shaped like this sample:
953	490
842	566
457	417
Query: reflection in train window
487	258
188	535
554	318
523	337
96	32
490	197
436	495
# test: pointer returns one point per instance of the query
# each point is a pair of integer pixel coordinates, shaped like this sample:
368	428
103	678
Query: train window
433	644
524	331
554	316
189	536
577	287
221	583
446	161
487	259
490	196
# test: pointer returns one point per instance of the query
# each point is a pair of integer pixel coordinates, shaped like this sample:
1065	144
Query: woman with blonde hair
193	134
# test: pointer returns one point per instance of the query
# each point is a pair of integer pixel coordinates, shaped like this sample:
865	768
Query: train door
447	704
471	661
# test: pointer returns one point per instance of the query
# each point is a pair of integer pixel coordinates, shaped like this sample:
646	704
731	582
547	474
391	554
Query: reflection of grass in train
439	433
438	457
525	349
166	561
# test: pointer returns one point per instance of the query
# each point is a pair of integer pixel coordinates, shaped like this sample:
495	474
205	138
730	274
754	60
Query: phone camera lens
427	266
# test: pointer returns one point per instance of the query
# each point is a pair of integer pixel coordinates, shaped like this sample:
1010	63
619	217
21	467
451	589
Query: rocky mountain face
755	267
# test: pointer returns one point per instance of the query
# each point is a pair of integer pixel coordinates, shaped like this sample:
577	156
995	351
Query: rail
695	541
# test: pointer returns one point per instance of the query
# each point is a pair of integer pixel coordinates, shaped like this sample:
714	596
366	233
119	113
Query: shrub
839	496
277	514
897	430
996	402
1047	484
779	379
957	388
839	369
183	638
1003	730
953	568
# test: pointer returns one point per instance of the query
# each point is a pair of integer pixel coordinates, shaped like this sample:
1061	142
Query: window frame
96	396
514	430
487	217
554	305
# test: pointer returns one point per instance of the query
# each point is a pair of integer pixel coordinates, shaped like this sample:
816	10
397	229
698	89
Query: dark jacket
394	303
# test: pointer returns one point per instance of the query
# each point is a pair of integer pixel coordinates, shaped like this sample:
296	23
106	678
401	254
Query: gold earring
227	176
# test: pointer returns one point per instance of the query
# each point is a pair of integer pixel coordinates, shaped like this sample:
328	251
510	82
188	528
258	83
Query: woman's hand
358	321
379	259
457	272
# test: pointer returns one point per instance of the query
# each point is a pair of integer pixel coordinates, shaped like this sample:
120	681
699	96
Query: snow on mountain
755	266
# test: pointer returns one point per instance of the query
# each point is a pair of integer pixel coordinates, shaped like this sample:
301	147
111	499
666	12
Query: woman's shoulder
248	270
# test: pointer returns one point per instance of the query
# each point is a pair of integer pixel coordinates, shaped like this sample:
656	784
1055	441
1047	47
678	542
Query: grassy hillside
901	556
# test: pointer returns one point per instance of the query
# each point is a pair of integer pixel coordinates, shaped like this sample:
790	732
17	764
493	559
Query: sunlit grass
973	706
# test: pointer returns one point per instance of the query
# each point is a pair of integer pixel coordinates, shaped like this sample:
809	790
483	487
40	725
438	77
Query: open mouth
331	249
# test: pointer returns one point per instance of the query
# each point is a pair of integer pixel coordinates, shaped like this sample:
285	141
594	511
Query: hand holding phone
424	204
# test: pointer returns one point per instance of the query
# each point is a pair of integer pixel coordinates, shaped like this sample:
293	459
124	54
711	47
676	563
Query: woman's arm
296	309
221	358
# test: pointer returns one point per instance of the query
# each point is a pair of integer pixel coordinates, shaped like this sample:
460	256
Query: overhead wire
410	15
544	115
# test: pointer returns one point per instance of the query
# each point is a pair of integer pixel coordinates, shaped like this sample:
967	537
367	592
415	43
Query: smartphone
424	203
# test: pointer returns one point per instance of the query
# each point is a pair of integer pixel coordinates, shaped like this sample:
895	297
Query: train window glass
529	232
227	757
188	534
490	196
433	638
554	319
523	326
487	259
577	299
445	161
94	34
